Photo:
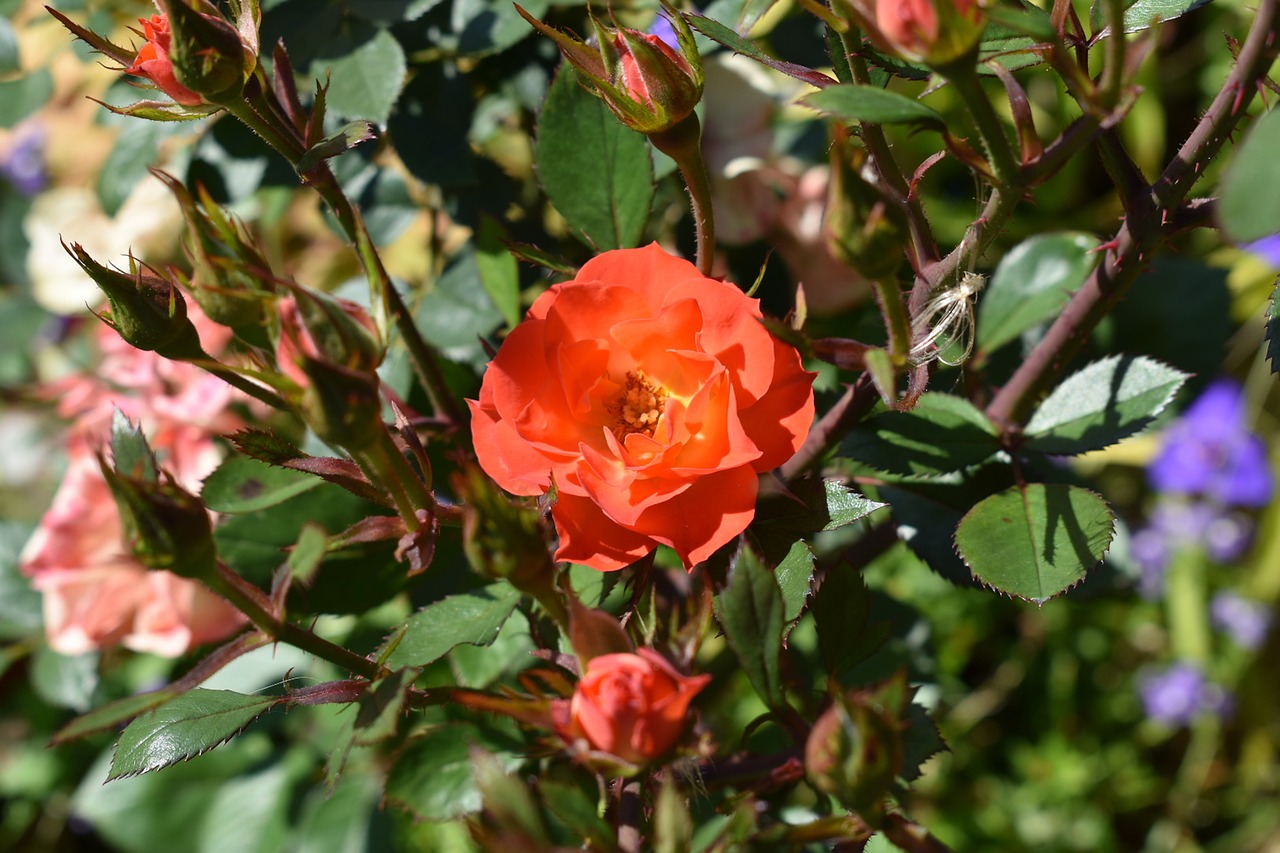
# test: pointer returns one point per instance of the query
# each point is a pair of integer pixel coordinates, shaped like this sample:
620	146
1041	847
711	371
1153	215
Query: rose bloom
651	397
153	61
631	706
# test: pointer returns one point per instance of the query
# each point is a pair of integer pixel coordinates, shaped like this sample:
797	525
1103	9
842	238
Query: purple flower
1245	622
1209	451
662	28
1268	248
23	164
1180	693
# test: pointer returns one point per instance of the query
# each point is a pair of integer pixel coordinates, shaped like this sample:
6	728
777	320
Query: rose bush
631	706
651	397
153	61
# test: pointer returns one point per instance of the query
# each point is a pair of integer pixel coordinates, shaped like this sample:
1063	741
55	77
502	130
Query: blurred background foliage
1052	747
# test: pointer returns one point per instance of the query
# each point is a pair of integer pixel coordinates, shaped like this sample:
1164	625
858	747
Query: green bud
209	55
864	228
146	310
342	406
502	540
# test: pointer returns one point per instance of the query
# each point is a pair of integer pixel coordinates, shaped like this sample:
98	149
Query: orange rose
153	61
651	396
632	706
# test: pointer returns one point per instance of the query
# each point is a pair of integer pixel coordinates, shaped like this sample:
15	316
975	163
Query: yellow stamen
638	408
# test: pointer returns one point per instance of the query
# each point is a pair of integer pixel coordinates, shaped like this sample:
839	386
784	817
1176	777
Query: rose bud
147	311
864	228
503	541
648	85
205	54
633	707
936	32
154	63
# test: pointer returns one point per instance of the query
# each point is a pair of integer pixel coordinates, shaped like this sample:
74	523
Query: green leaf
1032	283
921	740
1250	203
943	433
130	453
498	270
751	609
473	617
595	170
68	681
393	11
793	575
242	484
135	149
457	312
871	104
309	552
841	613
718	32
486	26
433	778
1035	541
578	810
1148	13
1273	328
20	604
21	97
926	524
366	77
10	60
183	728
339	142
803	508
1099	405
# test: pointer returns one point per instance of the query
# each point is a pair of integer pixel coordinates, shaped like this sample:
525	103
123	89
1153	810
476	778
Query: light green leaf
1250	204
1148	13
9	57
596	171
366	78
873	105
1032	283
1035	541
1099	405
19	602
472	617
112	714
943	433
183	728
750	609
68	681
242	484
498	271
457	311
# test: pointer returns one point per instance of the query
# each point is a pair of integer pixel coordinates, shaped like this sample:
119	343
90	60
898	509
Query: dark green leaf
1250	203
750	609
1032	283
596	171
21	97
926	524
457	312
367	75
393	11
793	575
432	778
473	617
1108	400
1148	13
241	484
803	508
943	433
183	728
1273	328
841	612
873	105
578	810
1035	541
921	740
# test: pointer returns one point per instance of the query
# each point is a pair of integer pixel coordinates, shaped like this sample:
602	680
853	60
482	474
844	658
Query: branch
1141	232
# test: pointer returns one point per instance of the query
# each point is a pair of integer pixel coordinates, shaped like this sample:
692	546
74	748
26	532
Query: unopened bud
936	32
864	228
207	53
502	540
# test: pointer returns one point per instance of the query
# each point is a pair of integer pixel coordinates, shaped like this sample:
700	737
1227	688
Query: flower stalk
683	143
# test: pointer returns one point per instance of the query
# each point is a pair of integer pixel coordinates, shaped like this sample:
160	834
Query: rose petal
590	537
780	420
714	509
649	270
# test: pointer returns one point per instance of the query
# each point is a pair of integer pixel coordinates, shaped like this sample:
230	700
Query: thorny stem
1142	230
250	601
235	380
964	78
896	322
858	399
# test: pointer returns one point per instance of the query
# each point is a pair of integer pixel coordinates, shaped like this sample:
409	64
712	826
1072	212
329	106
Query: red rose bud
154	63
633	707
937	32
231	278
207	55
648	85
147	311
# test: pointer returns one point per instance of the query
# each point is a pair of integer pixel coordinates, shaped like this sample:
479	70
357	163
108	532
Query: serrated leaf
457	311
841	612
943	433
750	609
1032	283
1147	13
803	508
871	104
1035	541
921	740
472	617
1103	403
432	777
597	172
793	575
339	142
130	453
1250	203
242	484
111	715
183	728
365	79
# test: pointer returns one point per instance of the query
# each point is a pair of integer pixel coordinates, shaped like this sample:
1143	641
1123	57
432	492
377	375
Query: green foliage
242	484
430	633
943	433
751	611
853	103
1250	206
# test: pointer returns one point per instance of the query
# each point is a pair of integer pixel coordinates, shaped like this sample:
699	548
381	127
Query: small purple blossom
22	165
1176	524
1179	694
1245	622
1268	248
1210	451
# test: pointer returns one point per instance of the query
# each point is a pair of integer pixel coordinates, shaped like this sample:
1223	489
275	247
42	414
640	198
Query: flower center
638	408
